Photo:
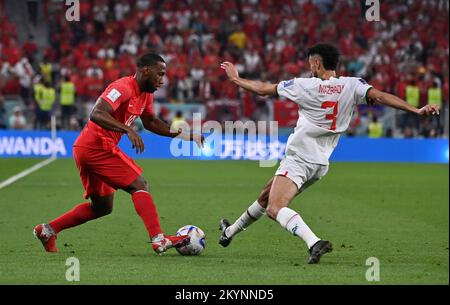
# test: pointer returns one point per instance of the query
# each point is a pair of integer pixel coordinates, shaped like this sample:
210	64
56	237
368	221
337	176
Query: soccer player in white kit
327	103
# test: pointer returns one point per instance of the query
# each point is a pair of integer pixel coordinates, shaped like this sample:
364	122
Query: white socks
287	218
291	221
252	214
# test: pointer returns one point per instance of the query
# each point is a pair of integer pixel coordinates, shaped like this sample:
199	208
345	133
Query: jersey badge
288	83
113	95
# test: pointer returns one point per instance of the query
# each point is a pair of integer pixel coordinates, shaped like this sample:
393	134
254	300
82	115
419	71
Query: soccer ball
197	243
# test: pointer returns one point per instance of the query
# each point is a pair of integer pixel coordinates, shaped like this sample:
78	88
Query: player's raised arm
101	115
257	87
396	102
155	125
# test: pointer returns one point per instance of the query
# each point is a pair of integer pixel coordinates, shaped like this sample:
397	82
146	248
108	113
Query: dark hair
149	59
328	53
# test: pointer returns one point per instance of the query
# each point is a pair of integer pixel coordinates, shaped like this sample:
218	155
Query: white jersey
326	109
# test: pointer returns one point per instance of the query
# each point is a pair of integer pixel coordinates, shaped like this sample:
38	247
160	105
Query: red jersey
128	104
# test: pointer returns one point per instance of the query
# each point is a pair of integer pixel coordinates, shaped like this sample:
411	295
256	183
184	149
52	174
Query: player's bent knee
263	198
102	208
140	184
146	185
272	211
103	211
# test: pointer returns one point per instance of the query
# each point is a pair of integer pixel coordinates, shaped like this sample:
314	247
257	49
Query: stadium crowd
405	53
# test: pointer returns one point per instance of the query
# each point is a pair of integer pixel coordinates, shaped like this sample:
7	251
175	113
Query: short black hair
149	59
328	53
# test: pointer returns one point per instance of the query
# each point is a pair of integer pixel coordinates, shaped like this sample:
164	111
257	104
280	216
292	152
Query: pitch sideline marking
26	172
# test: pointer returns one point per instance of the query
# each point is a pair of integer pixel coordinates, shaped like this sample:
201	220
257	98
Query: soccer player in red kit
104	167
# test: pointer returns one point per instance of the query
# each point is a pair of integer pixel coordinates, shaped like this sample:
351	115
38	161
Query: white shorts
301	172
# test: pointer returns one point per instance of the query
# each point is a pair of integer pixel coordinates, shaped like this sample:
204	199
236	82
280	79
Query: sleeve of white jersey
291	89
361	89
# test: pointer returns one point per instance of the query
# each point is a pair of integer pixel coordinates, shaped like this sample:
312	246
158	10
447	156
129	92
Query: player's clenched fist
429	110
136	140
230	69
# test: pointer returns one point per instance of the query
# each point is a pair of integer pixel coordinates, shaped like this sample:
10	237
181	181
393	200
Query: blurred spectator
408	132
413	94
413	98
163	115
3	123
93	85
67	101
252	62
46	99
130	43
26	74
17	119
100	11
10	73
46	69
33	12
434	96
30	48
429	128
375	128
178	121
120	10
94	70
238	38
181	88
74	124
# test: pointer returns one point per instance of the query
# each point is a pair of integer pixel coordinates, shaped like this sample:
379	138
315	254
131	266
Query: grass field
397	213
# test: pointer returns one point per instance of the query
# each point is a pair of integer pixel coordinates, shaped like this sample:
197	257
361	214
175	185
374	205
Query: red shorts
104	171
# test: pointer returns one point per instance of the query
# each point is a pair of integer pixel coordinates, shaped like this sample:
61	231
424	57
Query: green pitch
397	213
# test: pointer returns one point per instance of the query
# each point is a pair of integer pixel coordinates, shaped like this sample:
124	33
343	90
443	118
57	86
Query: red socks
143	203
78	215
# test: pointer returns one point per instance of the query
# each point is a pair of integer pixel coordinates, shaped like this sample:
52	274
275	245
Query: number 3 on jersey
331	116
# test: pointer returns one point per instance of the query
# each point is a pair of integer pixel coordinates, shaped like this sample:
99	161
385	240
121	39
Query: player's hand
199	139
230	69
136	140
429	110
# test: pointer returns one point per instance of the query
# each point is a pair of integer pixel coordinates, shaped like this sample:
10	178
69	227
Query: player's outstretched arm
155	125
396	102
101	115
257	87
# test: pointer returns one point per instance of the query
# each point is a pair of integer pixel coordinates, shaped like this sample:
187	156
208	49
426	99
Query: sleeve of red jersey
149	109
116	94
